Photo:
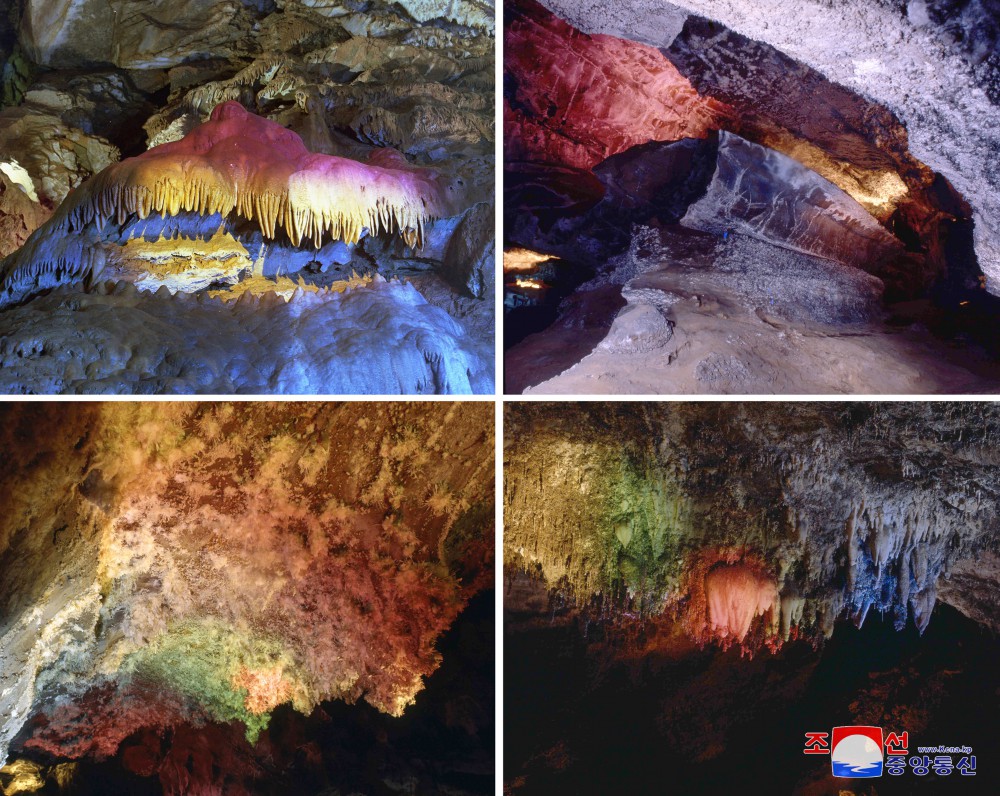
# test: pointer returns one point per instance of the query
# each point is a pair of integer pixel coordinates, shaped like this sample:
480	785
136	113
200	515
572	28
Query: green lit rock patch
204	661
641	520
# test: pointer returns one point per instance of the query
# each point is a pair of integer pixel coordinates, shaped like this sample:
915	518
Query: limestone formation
750	522
19	214
231	149
769	196
832	163
167	566
689	586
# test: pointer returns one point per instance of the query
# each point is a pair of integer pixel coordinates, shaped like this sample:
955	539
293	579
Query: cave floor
676	324
591	714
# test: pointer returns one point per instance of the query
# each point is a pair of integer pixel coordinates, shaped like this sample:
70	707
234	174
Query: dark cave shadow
713	722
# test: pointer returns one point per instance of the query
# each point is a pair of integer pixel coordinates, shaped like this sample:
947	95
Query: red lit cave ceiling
576	99
572	100
175	566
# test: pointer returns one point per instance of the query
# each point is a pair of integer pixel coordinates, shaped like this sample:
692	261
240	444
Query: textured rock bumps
230	558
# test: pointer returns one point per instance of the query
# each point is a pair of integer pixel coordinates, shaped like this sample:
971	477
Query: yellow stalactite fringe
310	197
235	163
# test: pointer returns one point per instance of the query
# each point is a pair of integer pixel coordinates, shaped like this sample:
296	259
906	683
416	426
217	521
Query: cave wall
932	65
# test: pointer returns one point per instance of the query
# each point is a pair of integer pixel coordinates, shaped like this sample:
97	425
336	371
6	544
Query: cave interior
727	197
246	196
247	598
691	588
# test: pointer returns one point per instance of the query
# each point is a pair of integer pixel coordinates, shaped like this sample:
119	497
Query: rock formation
913	66
574	100
924	229
218	148
690	588
736	516
234	164
117	339
172	569
770	196
20	212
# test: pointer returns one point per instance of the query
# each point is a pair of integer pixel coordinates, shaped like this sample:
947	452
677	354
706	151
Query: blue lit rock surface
770	196
378	337
20	215
96	84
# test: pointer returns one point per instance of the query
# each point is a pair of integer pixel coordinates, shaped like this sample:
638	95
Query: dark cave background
708	721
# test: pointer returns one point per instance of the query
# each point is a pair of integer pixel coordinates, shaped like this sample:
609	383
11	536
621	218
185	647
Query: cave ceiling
904	88
174	574
691	588
746	523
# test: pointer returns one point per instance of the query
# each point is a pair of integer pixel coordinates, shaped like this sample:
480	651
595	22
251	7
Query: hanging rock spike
239	162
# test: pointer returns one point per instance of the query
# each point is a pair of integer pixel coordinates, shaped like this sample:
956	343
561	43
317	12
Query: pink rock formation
737	594
242	163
